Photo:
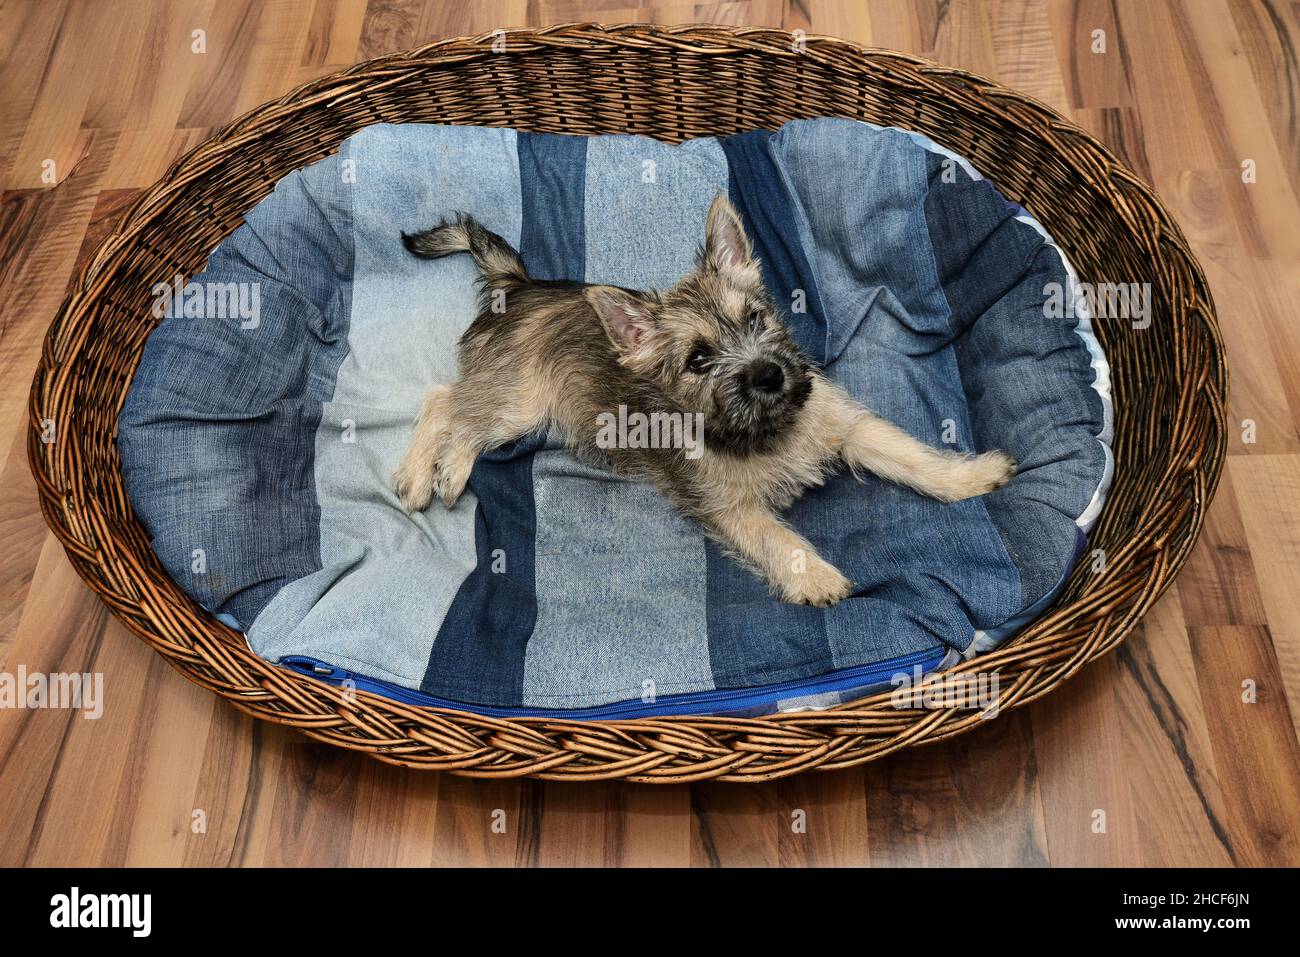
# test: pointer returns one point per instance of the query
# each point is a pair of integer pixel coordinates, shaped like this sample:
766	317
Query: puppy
565	355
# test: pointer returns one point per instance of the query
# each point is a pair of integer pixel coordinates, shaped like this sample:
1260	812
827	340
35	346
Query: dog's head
714	343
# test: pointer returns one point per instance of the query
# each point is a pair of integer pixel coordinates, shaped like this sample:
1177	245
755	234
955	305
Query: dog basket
1168	379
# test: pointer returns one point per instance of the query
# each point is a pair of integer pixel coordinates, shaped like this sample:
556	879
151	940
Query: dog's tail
495	258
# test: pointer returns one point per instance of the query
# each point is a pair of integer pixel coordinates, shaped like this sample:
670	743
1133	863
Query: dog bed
1168	376
276	396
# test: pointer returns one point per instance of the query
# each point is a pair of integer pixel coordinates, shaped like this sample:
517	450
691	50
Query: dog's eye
699	359
755	319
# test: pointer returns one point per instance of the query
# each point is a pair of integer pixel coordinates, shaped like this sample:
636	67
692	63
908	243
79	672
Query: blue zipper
863	678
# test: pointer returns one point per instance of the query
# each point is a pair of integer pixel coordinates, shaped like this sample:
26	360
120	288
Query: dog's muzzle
760	401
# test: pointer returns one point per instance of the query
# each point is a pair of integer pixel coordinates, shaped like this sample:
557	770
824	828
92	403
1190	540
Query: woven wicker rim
1169	381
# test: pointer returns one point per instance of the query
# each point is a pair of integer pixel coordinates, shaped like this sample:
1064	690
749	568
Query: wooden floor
1157	740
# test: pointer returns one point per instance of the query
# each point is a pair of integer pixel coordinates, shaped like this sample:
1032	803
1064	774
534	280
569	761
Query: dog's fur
559	354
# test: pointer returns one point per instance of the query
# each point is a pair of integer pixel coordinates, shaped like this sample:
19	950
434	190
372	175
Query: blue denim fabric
217	430
1018	366
387	580
481	646
271	449
621	596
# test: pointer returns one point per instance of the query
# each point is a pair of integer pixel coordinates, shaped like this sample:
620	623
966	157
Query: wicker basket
1169	380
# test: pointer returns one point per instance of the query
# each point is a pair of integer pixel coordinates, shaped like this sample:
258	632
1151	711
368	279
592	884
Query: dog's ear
627	318
726	247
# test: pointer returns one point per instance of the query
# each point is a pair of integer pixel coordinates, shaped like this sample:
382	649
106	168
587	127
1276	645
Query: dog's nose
766	376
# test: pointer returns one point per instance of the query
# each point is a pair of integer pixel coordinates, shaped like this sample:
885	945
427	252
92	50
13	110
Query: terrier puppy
556	355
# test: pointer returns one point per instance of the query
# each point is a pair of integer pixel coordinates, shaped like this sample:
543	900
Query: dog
560	355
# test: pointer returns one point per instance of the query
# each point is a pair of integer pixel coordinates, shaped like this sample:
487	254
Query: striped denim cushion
257	443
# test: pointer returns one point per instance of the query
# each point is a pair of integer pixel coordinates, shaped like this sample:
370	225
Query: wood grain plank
271	69
23	531
334	32
1260	414
1023	49
1092	52
1276	288
962	36
736	826
22	527
230	31
1270	36
239	779
42	233
825	820
155	35
1177	797
573	829
842	18
76	69
758	13
893	24
28	34
1218	586
1089	813
144	156
163	767
1224	75
130	786
392	25
313	815
1162	87
1254	742
1267	494
396	816
973	801
487	823
389	25
655	830
61	629
612	824
441	20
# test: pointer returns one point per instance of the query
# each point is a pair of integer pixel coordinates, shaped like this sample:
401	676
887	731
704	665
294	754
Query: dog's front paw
413	483
819	584
969	476
451	475
988	471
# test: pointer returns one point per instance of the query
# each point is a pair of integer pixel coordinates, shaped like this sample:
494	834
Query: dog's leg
455	426
784	558
416	475
865	441
442	451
